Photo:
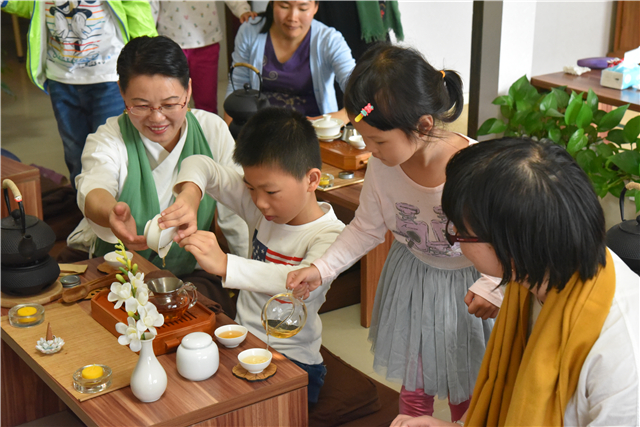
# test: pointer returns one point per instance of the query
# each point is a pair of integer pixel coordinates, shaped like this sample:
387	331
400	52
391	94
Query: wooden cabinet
627	30
27	178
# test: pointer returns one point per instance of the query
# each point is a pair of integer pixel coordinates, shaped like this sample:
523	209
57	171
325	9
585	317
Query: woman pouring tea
129	166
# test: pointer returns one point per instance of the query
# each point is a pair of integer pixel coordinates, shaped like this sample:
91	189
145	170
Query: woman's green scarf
376	25
139	192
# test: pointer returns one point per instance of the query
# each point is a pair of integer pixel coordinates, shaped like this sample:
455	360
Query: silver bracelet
459	422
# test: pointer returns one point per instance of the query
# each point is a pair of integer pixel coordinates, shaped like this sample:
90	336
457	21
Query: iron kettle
624	238
243	103
25	238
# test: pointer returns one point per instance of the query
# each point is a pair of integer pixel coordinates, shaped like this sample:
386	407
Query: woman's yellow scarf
529	383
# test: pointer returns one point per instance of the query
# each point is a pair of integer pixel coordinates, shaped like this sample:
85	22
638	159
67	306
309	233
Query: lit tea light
26	315
92	372
92	378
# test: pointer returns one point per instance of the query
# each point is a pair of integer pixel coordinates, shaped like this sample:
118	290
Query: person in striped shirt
279	152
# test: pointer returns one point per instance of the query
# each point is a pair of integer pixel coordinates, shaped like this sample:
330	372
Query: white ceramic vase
148	380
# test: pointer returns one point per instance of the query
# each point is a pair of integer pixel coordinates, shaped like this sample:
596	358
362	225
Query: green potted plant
607	151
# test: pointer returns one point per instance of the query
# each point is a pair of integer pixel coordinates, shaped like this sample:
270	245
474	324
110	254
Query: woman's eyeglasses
145	110
451	234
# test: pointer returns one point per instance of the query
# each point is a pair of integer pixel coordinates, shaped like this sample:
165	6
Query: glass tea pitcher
172	297
283	315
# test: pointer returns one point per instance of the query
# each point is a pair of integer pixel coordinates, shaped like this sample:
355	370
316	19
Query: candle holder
26	315
93	385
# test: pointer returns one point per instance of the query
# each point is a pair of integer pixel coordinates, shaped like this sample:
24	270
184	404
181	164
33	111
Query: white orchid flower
142	295
149	318
120	292
137	281
130	334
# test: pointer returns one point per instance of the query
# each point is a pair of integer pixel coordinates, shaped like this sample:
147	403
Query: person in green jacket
73	47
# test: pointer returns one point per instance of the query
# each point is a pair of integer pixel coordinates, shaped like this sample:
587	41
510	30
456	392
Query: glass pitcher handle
191	289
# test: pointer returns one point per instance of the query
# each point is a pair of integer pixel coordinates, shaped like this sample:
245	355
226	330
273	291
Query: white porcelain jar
197	358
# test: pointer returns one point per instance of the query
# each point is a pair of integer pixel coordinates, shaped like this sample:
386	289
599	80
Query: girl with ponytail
423	334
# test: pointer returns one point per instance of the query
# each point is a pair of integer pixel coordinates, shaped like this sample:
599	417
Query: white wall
441	31
567	31
538	37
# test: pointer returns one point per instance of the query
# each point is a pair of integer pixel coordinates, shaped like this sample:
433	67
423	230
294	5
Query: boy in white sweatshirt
279	152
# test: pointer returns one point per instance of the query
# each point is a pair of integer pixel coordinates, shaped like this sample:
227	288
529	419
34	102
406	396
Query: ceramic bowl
159	240
327	126
112	259
255	368
231	342
357	141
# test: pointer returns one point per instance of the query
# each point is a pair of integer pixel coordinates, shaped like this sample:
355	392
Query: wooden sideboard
27	178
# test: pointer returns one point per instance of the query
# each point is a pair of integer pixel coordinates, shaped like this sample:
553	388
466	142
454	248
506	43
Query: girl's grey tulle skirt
419	315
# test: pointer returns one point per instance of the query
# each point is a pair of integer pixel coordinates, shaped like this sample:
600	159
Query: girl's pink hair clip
364	112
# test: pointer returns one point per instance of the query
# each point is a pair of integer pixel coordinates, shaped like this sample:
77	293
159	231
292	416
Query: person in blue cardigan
298	57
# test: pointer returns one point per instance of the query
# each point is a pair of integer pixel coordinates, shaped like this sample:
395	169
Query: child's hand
480	307
205	248
423	421
245	16
301	291
183	213
308	276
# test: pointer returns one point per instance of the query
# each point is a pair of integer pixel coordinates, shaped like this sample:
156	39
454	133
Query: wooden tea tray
340	154
197	319
358	176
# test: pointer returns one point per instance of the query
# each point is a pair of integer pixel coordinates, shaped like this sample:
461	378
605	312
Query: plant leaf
516	90
584	116
597	116
492	126
632	129
585	159
572	111
577	142
555	135
506	111
612	118
533	123
549	101
628	161
562	96
503	100
552	112
592	100
617	136
605	150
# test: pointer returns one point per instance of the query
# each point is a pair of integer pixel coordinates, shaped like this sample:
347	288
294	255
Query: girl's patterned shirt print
417	233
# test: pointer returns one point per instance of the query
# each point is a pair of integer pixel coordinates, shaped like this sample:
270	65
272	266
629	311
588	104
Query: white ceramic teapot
197	358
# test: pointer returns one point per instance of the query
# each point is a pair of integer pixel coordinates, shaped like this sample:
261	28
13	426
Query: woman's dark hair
148	56
532	202
267	17
402	87
282	137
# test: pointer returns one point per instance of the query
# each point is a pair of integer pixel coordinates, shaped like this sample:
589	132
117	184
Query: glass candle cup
26	315
92	385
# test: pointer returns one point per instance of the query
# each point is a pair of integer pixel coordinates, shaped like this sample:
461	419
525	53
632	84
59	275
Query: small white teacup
255	360
112	259
159	240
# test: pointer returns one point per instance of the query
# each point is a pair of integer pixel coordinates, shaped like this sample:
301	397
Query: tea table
29	392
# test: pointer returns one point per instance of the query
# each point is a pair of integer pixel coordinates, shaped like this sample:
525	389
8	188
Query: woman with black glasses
129	166
564	348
